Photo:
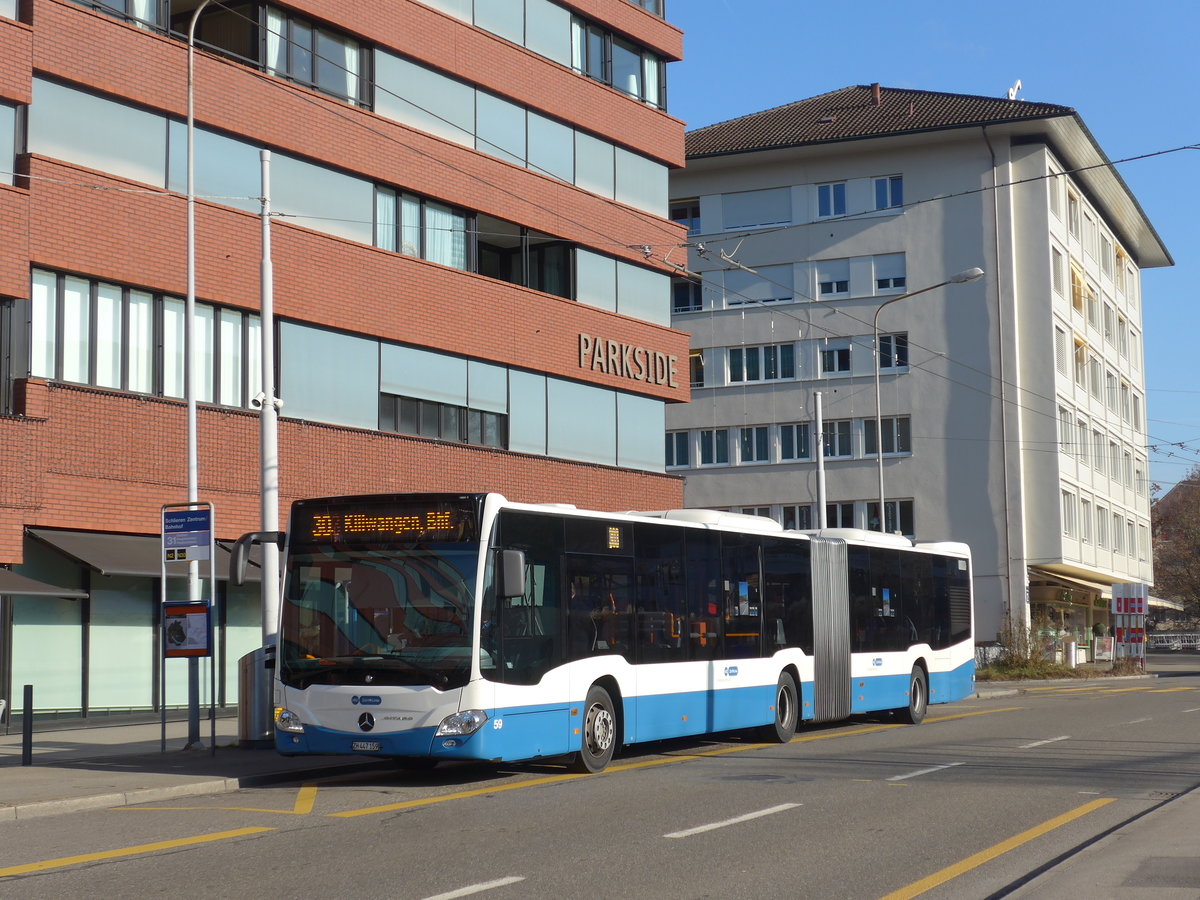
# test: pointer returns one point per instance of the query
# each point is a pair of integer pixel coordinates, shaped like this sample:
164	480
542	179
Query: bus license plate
365	746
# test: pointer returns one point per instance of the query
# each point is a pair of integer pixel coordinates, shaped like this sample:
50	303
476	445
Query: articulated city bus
433	627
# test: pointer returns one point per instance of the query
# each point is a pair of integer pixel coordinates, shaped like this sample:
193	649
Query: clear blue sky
1132	72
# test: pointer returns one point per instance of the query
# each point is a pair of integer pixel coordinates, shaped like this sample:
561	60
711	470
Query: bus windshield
400	615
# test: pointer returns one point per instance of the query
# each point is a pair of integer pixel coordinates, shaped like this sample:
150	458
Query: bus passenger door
831	630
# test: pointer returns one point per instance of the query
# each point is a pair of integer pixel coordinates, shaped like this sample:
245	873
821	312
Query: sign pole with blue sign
187	537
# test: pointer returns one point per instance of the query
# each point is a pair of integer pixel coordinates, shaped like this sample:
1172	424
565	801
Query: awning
14	585
128	554
1104	590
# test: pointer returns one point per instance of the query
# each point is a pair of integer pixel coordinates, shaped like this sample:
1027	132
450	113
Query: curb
210	787
1012	688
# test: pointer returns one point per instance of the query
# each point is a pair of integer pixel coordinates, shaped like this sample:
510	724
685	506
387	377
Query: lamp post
189	377
961	278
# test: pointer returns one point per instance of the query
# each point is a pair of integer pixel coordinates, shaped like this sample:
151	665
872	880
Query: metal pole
269	423
960	278
189	356
821	520
27	726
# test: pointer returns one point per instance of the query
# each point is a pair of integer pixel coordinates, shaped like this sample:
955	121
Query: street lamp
961	278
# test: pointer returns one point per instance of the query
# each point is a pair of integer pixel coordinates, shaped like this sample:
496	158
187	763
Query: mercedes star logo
366	721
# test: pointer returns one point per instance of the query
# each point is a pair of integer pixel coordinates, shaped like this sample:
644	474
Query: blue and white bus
432	627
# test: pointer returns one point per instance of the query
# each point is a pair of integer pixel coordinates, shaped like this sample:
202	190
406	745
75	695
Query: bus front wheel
918	698
787	711
599	732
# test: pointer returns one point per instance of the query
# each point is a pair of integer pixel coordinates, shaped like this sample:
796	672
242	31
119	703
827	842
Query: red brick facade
92	459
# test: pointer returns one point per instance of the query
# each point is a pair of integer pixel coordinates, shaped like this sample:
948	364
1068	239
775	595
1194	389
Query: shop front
1071	616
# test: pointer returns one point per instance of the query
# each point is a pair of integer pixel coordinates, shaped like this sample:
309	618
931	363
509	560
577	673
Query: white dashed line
924	771
783	807
1065	737
477	888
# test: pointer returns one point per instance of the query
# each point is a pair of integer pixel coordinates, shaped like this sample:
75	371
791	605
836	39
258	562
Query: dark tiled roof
851	113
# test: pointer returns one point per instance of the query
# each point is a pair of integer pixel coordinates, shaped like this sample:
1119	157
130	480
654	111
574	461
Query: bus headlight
460	724
286	720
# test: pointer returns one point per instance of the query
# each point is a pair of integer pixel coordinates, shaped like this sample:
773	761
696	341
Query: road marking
736	820
960	868
1137	721
477	888
1196	709
967	715
305	800
63	861
1065	737
920	772
626	767
1170	690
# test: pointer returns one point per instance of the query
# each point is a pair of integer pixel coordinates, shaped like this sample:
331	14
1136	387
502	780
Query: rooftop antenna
1012	91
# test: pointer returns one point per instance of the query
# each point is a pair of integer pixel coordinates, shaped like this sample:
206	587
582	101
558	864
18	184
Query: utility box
256	706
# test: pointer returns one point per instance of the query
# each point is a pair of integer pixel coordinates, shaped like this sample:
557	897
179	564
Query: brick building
460	199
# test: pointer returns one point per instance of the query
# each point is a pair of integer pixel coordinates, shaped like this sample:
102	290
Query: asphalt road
988	791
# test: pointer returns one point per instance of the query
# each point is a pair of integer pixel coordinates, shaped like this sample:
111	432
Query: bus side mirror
512	573
240	552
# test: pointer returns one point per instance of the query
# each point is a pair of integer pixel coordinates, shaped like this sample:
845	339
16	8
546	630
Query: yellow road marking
967	715
64	861
305	799
626	767
959	868
1170	690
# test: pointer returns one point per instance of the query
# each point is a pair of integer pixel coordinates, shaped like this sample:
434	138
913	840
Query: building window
411	225
890	273
1056	270
831	199
696	368
1054	187
837	440
795	441
290	47
112	336
893	351
753	444
1095	376
686	295
1118	533
833	277
839	515
899	517
1073	213
652	6
1098	456
798	518
1085	520
1069	513
1081	357
604	57
677	448
1076	289
1082	442
897	435
1066	428
889	192
687	214
1093	305
1060	352
139	11
835	360
1101	527
714	447
768	363
442	421
517	255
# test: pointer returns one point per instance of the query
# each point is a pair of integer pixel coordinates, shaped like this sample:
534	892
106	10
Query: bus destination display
437	521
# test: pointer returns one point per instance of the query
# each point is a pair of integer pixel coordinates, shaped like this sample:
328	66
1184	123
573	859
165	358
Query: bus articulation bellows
462	626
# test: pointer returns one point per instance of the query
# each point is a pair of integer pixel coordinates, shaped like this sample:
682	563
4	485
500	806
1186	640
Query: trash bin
1069	653
256	706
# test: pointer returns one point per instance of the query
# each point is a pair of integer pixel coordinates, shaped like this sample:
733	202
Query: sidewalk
103	766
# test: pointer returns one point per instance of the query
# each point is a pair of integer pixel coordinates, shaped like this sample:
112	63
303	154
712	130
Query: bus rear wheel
599	732
918	698
787	711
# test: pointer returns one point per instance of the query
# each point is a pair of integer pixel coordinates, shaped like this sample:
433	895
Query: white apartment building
1012	408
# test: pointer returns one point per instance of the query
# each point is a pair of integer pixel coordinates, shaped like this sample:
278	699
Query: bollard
27	726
